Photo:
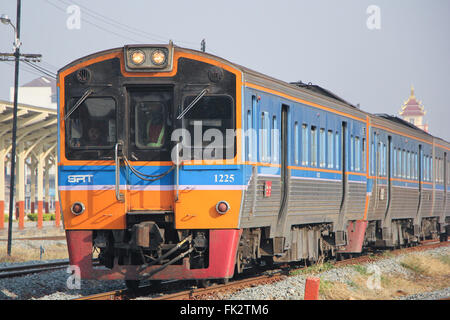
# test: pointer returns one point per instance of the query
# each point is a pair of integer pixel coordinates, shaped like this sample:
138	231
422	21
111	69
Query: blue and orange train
177	164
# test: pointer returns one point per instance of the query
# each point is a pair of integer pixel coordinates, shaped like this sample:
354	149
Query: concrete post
40	185
32	186
20	184
47	186
2	182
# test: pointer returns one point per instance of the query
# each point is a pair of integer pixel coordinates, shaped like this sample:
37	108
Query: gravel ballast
293	287
53	285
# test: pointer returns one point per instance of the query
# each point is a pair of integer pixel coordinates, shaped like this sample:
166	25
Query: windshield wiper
79	102
189	107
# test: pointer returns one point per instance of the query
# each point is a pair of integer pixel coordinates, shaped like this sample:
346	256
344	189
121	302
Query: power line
111	21
116	24
25	68
42	70
97	26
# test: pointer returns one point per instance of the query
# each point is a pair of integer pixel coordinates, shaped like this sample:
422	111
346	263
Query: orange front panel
151	200
103	211
197	209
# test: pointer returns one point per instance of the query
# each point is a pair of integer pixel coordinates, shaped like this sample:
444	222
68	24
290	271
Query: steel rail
199	293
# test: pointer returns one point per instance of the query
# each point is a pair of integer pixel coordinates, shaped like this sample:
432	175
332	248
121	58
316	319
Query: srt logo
80	178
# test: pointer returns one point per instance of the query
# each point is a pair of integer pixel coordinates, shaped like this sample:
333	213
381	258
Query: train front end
149	176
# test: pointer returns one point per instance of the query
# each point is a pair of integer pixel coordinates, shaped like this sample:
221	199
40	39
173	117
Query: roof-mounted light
148	58
137	57
158	57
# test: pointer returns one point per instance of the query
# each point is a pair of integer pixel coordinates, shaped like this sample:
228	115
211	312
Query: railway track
214	290
18	271
38	238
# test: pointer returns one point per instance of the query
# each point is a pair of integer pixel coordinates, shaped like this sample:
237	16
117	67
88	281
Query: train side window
430	168
357	154
394	162
264	137
438	169
352	152
337	148
313	146
322	148
425	164
439	175
408	165
436	165
296	141
441	171
375	154
363	157
275	139
305	144
248	136
416	169
405	164
330	149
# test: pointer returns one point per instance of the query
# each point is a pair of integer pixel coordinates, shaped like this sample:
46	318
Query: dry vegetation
428	274
30	249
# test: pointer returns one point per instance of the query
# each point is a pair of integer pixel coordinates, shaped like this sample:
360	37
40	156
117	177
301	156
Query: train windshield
213	116
150	124
93	124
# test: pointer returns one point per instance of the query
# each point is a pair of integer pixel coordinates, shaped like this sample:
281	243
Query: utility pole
17	57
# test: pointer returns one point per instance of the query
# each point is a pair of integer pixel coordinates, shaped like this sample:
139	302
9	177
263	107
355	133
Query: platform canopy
37	134
36	126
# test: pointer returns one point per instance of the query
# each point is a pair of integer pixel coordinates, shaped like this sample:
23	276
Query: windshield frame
81	148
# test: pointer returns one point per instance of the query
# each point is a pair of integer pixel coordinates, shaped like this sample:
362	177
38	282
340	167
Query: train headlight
149	58
158	57
77	208
222	207
137	57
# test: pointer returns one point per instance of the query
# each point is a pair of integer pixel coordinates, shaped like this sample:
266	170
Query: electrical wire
24	68
117	25
96	25
113	22
42	70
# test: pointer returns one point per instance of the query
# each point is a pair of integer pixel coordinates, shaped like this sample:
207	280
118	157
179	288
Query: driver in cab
155	128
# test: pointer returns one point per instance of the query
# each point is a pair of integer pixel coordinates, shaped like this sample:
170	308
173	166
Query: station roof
35	125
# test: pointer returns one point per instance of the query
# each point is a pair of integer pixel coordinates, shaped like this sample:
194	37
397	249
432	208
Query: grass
361	269
27	250
429	273
314	269
45	217
426	265
20	254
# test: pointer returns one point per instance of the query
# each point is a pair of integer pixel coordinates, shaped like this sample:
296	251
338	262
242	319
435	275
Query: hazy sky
326	42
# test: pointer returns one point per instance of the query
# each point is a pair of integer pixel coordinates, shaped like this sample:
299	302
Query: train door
148	163
284	156
284	159
387	170
340	240
419	178
388	164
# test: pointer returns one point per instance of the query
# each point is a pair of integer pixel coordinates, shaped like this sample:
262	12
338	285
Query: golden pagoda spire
412	92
